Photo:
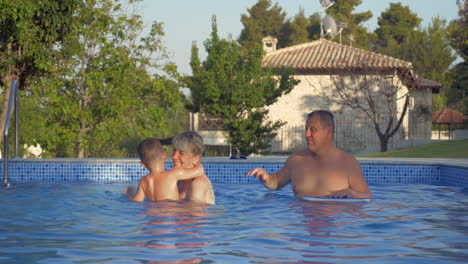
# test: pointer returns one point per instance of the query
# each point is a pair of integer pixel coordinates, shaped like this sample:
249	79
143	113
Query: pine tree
458	36
396	25
263	20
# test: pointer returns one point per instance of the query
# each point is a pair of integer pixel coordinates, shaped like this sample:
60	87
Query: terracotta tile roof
324	56
426	83
447	116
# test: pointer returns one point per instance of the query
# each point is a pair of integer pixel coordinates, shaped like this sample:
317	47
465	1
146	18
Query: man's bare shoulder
299	154
347	159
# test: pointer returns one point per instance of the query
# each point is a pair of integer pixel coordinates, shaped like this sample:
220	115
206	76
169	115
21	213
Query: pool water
95	223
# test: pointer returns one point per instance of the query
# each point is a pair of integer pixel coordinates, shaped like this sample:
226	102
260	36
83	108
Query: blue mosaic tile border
453	175
108	170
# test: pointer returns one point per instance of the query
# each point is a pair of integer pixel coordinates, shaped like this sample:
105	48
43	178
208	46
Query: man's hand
260	174
346	193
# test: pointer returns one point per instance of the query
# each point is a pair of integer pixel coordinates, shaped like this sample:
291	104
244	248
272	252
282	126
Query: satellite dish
326	3
329	26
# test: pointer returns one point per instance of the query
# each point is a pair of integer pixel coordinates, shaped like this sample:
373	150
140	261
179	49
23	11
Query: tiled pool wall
224	171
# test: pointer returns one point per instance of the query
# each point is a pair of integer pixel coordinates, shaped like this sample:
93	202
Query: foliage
233	85
428	49
314	26
32	126
458	36
450	149
457	97
263	20
430	52
296	31
31	33
396	24
458	30
112	86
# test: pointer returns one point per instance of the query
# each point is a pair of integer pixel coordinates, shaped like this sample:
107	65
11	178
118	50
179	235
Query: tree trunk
80	145
383	144
81	153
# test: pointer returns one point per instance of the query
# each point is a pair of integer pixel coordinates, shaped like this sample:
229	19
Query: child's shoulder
161	176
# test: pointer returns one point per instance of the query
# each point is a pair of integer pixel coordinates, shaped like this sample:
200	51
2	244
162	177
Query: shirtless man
321	169
188	149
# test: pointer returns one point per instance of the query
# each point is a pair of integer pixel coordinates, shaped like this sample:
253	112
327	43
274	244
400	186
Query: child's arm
185	174
139	196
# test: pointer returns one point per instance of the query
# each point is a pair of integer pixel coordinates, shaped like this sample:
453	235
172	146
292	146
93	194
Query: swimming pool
74	211
69	223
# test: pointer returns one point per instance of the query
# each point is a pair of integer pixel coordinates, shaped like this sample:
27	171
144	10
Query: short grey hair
326	119
189	141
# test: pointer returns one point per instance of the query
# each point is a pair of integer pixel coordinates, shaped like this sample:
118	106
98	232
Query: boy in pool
159	184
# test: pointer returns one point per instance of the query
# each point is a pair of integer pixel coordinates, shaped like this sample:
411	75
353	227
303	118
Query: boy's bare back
158	187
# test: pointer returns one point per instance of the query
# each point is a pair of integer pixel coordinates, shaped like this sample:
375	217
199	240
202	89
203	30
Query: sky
186	21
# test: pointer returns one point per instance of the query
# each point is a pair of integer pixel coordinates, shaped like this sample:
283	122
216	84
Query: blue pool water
94	223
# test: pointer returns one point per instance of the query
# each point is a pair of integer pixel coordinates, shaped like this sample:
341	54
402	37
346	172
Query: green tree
31	34
112	86
233	85
396	25
399	35
354	33
458	36
295	31
313	28
430	52
431	55
458	30
263	20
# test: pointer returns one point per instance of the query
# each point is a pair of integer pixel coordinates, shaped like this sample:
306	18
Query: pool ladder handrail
13	101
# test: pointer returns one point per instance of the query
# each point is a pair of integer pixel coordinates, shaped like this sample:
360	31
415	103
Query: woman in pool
188	149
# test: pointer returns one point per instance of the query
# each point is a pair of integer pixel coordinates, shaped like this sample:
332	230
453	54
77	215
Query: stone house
317	65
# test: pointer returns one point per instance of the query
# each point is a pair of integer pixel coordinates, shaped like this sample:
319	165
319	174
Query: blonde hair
190	142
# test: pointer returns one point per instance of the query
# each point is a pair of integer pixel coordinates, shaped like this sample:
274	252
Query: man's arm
358	187
274	181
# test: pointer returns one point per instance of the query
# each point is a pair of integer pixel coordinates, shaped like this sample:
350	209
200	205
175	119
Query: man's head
320	126
188	149
150	151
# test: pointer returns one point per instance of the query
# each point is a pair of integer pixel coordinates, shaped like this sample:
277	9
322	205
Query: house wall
354	131
420	114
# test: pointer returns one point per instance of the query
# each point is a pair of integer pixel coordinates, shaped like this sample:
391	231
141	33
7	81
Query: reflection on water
326	223
170	219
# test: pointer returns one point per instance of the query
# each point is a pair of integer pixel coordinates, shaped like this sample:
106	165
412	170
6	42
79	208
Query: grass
450	149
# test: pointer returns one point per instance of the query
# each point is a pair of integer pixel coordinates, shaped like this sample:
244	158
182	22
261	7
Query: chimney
269	44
